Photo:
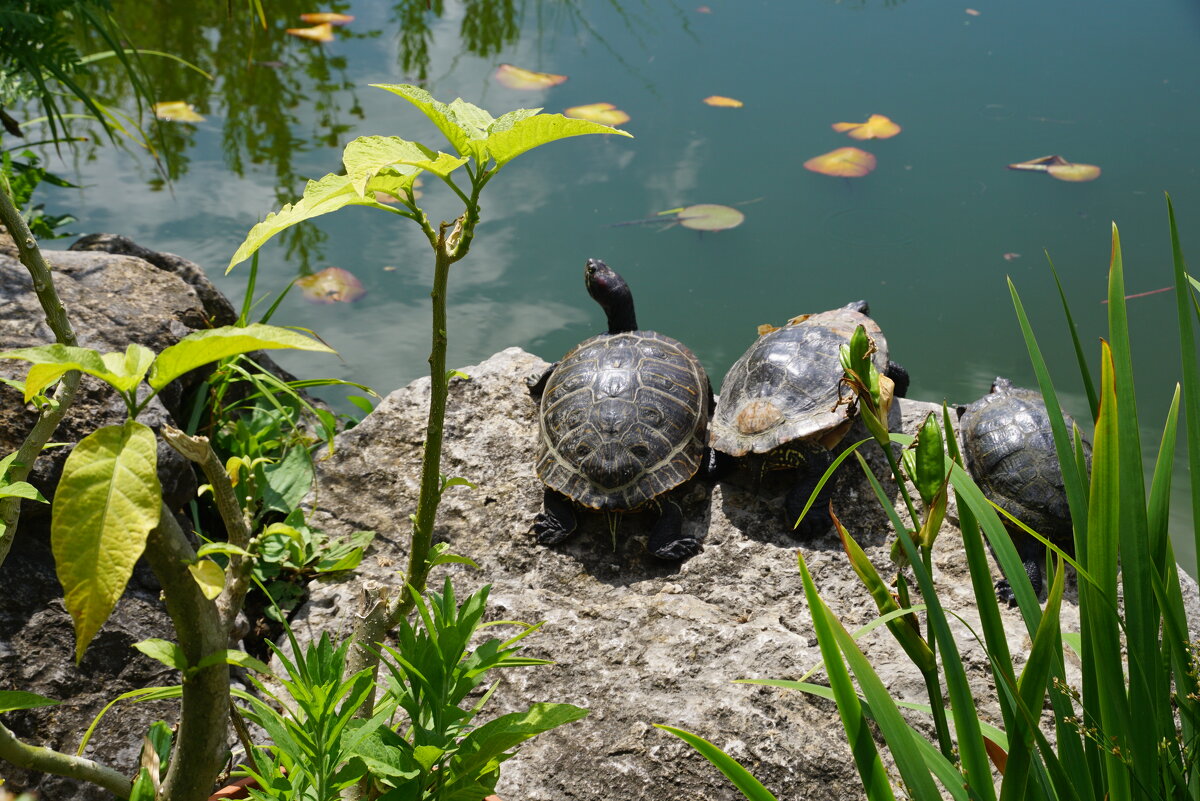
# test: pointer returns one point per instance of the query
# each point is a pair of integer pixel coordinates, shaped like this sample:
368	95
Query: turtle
1008	448
623	420
785	399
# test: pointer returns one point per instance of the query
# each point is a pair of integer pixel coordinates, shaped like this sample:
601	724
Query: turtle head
1001	385
612	293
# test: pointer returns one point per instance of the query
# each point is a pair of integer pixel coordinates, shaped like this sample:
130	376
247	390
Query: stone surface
636	640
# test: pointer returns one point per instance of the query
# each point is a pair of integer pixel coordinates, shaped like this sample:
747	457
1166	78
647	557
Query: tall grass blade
1191	375
749	786
1086	374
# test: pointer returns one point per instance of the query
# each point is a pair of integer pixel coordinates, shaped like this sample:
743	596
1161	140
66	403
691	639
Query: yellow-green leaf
214	344
320	197
177	111
537	130
106	503
366	156
165	651
129	368
50	362
464	125
209	576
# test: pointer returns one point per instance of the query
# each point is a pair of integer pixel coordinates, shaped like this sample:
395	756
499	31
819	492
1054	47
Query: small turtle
1008	448
785	398
623	421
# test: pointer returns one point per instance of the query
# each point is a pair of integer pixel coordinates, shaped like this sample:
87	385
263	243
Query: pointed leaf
366	156
165	651
107	501
317	18
526	134
877	126
518	78
320	197
21	489
462	124
745	782
209	577
214	344
12	700
317	33
847	162
50	362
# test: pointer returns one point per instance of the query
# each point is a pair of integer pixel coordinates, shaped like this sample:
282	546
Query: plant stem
56	317
45	760
430	494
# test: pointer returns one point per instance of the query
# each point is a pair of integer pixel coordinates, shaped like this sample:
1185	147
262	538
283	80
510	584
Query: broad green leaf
12	700
288	480
107	501
745	782
130	367
493	739
366	156
427	755
531	132
50	362
165	651
464	125
209	576
320	197
214	344
21	489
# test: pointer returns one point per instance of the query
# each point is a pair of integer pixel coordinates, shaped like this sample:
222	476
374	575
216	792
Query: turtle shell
623	419
1008	448
787	386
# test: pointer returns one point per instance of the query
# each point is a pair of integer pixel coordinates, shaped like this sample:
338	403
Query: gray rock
635	640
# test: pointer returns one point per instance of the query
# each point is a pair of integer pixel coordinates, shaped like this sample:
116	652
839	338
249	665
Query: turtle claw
549	530
1005	594
556	521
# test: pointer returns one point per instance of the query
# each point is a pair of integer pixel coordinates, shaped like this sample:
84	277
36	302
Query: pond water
927	238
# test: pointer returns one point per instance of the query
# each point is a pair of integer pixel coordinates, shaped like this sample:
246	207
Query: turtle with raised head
784	400
623	421
1008	448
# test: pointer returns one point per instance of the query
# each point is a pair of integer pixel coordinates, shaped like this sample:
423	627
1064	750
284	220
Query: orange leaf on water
317	33
1059	168
972	12
331	285
723	102
317	18
877	126
517	78
703	10
603	113
848	162
176	111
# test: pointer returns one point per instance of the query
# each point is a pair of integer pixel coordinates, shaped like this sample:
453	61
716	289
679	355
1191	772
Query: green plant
1129	732
423	741
24	177
377	164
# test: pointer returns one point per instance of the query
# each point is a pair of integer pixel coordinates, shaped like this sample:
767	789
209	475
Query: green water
922	238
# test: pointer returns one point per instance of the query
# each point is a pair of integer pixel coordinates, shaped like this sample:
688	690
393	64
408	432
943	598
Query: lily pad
723	102
317	33
518	78
603	113
331	285
176	111
877	126
332	18
1058	167
710	217
846	162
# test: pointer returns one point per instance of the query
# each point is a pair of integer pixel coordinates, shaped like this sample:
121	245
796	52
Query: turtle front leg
667	540
1033	559
556	521
817	521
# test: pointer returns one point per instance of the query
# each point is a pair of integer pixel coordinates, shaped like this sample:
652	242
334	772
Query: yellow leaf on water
1058	167
847	162
518	78
877	126
176	111
331	285
603	113
317	33
710	217
317	18
723	102
972	12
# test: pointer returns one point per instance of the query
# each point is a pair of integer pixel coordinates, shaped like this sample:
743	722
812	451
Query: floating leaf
1059	168
723	102
877	126
176	111
1011	256
517	78
972	12
710	217
321	17
848	162
317	33
331	285
603	113
703	10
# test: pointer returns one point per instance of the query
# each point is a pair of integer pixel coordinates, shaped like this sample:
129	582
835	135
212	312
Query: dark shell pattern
1008	448
623	419
787	386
